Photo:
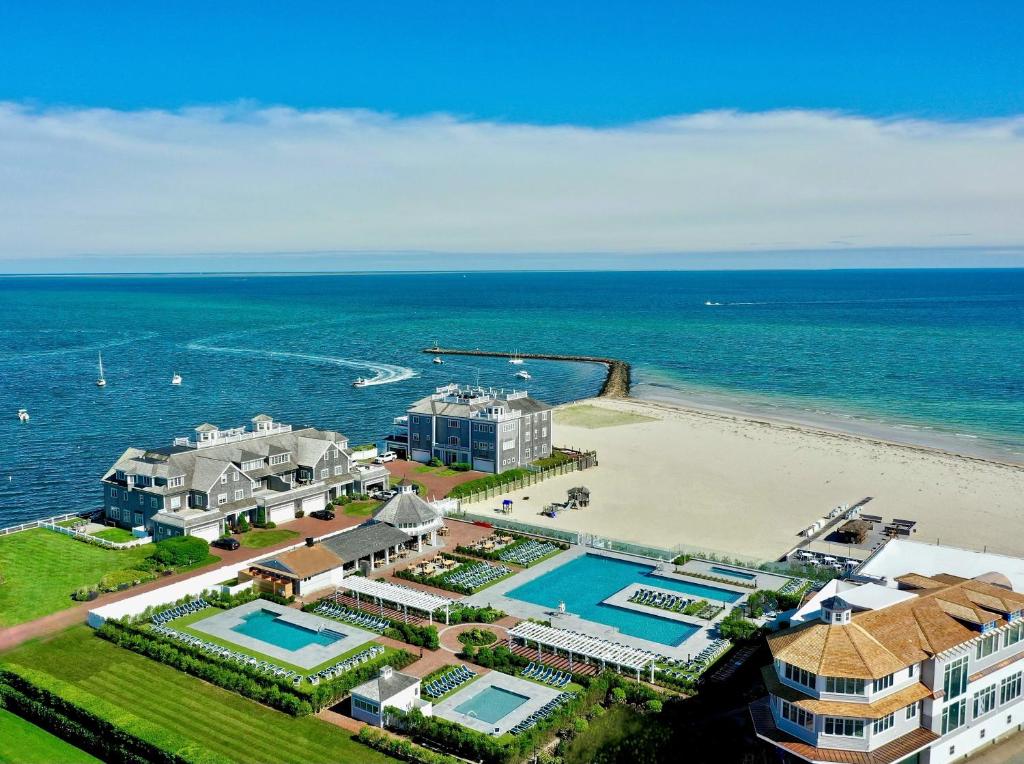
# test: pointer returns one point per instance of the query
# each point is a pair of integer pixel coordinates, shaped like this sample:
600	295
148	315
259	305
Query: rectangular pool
266	626
492	704
733	573
585	582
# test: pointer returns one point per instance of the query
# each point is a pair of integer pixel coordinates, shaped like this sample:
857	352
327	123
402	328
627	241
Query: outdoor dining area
493	543
435	566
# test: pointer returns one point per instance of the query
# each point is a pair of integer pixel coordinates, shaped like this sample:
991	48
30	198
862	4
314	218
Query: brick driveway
437	486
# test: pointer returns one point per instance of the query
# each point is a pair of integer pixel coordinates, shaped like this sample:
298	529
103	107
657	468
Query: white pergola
570	643
404	596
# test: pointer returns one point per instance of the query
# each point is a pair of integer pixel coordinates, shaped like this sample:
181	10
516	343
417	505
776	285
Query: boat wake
93	348
383	373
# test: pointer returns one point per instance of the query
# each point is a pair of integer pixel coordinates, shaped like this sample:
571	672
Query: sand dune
743	486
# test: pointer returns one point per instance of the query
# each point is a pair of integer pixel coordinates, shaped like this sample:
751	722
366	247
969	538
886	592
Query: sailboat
515	359
101	382
176	379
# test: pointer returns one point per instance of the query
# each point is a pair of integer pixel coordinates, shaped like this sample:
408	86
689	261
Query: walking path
437	486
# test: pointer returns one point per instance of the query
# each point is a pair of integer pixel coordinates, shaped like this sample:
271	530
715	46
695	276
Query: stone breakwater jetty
616	382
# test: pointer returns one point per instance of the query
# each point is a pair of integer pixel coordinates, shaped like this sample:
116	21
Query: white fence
38	523
446	506
105	543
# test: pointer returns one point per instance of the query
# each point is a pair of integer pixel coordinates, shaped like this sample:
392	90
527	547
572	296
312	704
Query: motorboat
360	382
176	379
101	381
23	415
524	374
438	359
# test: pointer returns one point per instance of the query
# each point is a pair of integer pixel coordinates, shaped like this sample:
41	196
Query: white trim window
799	675
222	498
838	726
508	444
883	724
324	474
987	646
841	685
797	715
339	470
454	423
911	711
453	440
1009	688
176	482
234	476
954	716
954	680
175	502
224	478
984	701
882	684
239	494
1013	635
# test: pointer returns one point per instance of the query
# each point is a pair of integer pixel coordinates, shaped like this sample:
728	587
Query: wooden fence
583	460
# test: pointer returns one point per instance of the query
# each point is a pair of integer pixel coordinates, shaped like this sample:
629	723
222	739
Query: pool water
492	704
584	582
733	573
265	626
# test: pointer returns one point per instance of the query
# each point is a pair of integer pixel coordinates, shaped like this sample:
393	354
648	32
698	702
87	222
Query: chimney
310	541
386	672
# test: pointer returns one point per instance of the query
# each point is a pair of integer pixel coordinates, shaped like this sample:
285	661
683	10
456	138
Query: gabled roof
947	612
303	562
365	540
381	689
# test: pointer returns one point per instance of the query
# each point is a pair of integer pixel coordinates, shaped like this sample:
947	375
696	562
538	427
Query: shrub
459	613
461	466
400	748
411	633
84	594
243	524
498	658
653	706
435	462
487	482
180	550
478	637
300	513
117	579
737	628
618	695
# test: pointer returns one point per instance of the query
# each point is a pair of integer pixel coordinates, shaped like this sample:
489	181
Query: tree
737	628
243	524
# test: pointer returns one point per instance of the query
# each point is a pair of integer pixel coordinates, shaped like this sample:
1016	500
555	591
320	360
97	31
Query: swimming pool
492	704
733	573
584	582
265	626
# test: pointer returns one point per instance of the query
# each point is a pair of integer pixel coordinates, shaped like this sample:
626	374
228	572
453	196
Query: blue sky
261	135
543	62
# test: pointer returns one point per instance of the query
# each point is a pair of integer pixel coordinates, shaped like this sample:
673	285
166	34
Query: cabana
573	643
403	597
854	531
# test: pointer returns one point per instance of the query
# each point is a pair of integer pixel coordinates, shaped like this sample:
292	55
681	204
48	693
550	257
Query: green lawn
199	713
21	742
39	569
258	539
360	508
592	417
117	535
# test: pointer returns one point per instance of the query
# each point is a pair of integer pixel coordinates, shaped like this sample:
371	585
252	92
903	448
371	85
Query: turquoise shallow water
932	353
582	584
265	626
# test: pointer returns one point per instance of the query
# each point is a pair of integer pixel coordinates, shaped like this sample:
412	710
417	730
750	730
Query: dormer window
119	475
176	482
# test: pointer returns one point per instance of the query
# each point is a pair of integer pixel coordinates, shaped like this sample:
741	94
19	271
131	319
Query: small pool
492	704
733	573
585	582
266	626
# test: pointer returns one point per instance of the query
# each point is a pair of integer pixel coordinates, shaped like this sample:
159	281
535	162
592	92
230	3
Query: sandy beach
747	486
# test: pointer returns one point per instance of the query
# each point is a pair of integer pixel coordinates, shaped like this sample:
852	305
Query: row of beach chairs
792	585
448	682
524	554
225	653
660	599
179	610
541	713
711	652
541	673
346	665
477	575
354	617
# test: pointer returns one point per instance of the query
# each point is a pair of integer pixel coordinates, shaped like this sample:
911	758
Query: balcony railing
274	429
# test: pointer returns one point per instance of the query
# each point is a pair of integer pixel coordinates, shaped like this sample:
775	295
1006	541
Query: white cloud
243	179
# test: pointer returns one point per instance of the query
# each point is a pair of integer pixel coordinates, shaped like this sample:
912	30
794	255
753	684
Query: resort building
391	689
201	485
491	430
297	572
923	673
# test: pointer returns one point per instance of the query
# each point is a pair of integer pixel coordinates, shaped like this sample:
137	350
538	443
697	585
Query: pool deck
222	624
763	579
621	599
538	695
497	596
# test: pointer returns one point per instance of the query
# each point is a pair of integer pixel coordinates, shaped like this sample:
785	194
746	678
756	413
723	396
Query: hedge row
400	748
84	720
486	482
413	634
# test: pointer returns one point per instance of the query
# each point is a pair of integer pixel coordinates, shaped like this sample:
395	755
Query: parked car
387	456
322	514
226	543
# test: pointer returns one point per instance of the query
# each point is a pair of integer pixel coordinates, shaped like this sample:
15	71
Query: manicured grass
117	535
21	742
198	713
259	539
186	622
39	570
592	417
359	508
424	469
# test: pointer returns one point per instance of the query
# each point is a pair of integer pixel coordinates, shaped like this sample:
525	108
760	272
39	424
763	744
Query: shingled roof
947	612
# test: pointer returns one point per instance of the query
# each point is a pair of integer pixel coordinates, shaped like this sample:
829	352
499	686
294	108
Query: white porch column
387	555
419	543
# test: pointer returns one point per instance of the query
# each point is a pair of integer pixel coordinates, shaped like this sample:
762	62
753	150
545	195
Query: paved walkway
437	486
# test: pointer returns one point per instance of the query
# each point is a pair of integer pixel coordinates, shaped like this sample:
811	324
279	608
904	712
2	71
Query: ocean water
927	356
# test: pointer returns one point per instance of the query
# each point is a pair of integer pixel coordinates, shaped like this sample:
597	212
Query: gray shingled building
201	486
491	430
